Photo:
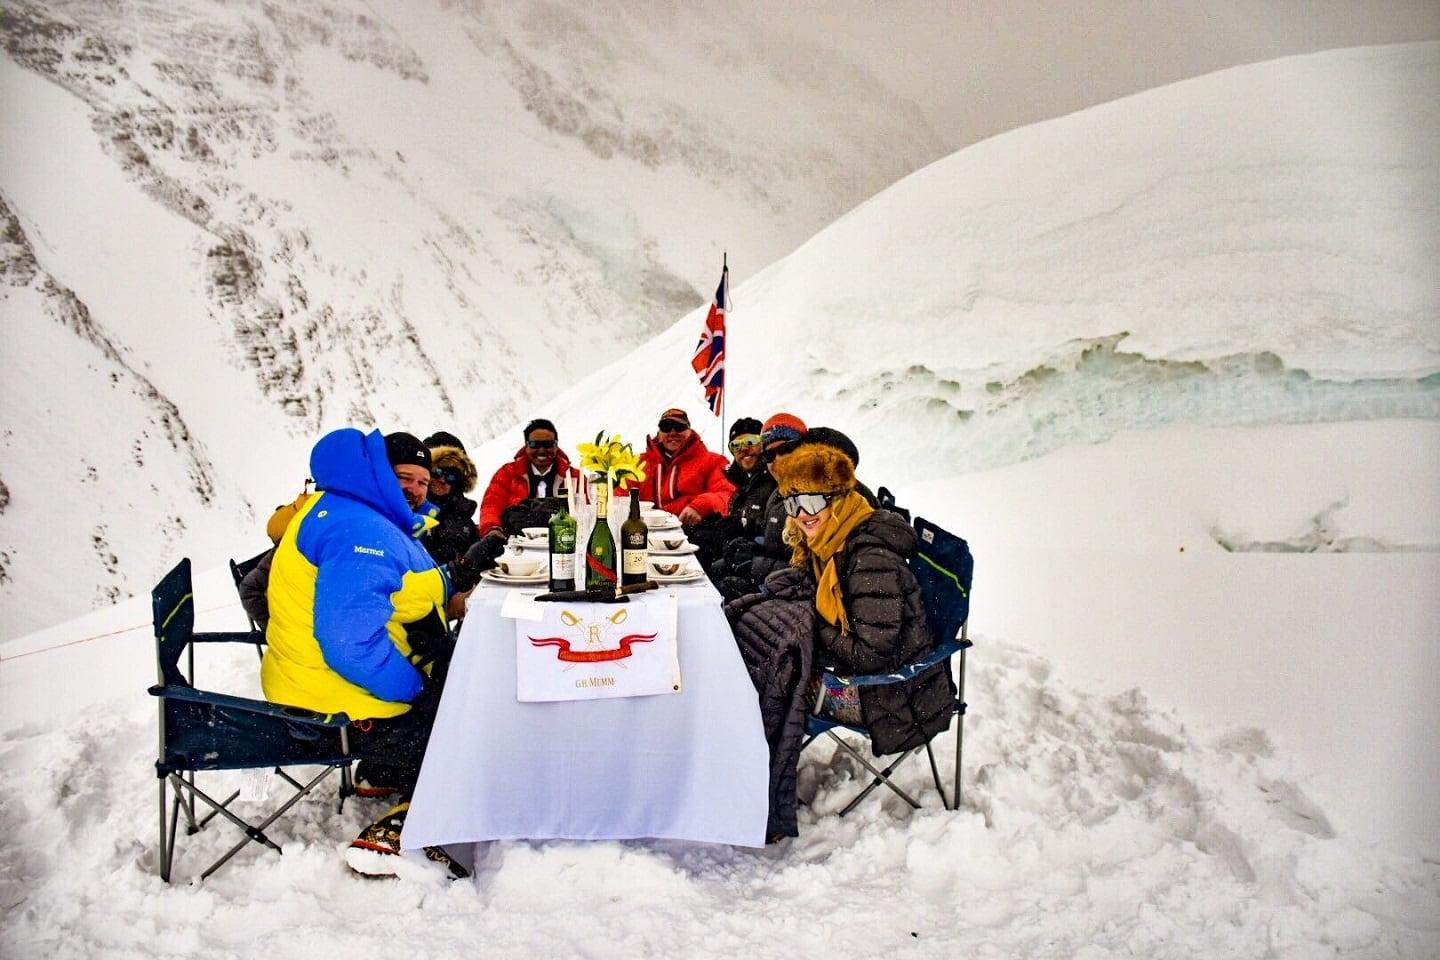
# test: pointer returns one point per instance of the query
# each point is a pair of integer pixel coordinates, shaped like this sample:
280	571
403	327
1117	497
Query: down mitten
465	571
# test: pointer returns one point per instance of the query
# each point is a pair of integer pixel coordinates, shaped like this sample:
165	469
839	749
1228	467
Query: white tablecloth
689	766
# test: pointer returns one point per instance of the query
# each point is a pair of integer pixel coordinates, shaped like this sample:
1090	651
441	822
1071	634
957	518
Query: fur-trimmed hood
814	468
453	458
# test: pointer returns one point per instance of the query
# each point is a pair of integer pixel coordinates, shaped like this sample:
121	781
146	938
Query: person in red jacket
535	472
682	476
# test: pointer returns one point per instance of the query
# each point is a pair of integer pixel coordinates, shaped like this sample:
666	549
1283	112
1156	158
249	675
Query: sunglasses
744	442
446	476
540	444
811	503
673	426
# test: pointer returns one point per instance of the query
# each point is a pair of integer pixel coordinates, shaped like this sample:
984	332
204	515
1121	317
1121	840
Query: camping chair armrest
228	636
940	654
261	707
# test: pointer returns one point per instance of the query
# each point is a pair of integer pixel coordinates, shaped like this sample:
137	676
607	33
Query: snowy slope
1201	698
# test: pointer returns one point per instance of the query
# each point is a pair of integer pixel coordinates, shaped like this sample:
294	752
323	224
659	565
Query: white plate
684	576
685	548
495	576
667	522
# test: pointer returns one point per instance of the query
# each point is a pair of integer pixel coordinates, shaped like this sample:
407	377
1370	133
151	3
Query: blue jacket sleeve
353	587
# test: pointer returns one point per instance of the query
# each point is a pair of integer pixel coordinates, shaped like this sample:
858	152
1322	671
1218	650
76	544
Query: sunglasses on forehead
746	441
540	444
811	503
673	426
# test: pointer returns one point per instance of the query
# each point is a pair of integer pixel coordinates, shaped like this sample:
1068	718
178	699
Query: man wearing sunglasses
685	478
533	474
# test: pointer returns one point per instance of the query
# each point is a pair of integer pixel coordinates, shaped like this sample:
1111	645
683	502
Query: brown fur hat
814	468
454	460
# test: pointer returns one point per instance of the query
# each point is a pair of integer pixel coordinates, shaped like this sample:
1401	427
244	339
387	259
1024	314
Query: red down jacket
509	486
694	477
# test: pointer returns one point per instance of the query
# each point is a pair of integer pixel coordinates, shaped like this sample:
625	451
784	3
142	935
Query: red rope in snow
100	636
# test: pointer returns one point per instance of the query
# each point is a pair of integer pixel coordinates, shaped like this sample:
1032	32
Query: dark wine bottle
634	545
563	530
600	551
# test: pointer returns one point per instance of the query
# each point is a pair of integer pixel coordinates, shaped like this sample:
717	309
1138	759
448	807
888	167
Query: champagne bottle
600	552
634	546
563	530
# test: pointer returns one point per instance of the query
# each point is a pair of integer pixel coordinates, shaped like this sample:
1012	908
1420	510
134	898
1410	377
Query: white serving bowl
666	567
519	564
667	539
536	533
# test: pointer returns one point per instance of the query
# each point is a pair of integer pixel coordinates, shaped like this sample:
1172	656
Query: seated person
851	561
685	478
755	517
253	584
540	469
452	475
357	614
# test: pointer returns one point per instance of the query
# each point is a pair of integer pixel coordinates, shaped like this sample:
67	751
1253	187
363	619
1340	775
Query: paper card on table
521	605
592	651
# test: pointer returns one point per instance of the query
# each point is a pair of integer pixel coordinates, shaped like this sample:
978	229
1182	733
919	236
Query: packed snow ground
1220	751
1143	777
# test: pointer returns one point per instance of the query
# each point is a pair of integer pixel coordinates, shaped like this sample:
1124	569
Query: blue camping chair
238	572
200	730
944	568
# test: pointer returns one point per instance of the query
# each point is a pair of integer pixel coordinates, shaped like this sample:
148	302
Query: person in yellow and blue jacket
357	613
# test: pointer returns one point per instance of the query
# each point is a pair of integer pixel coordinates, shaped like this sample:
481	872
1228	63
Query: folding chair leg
168	824
935	775
257	832
960	719
881	776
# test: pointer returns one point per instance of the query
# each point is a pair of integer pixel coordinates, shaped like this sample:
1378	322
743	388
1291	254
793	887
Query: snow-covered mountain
227	226
1201	699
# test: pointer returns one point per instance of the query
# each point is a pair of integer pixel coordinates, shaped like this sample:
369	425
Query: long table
686	766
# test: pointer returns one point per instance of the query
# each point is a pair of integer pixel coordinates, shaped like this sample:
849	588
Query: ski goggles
673	426
447	476
811	503
540	444
746	441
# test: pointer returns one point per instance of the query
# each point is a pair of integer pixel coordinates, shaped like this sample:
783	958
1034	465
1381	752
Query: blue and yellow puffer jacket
349	585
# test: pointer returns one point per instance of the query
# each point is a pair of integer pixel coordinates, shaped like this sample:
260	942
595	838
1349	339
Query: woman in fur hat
847	604
452	475
871	616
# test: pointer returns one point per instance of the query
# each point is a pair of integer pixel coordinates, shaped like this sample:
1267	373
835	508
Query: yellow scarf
847	511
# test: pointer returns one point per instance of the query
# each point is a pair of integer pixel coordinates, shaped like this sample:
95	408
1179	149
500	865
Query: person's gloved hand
465	571
738	554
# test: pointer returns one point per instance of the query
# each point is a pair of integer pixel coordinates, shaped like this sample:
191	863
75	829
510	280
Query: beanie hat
403	448
831	437
744	425
814	468
782	428
443	438
456	465
675	413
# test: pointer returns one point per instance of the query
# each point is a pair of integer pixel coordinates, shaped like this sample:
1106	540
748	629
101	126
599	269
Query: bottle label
635	561
562	566
602	499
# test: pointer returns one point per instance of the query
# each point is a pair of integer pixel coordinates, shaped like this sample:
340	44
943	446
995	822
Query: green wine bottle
563	531
600	552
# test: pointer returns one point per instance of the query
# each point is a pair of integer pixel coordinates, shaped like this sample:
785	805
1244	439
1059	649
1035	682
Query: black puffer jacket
775	632
746	516
455	529
887	631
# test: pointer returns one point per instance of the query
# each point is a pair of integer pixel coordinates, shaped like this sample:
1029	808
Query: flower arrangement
611	459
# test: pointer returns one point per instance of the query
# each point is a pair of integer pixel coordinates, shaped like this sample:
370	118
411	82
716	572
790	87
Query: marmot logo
370	550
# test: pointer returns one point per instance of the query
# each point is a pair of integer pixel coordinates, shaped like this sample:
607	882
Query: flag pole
725	277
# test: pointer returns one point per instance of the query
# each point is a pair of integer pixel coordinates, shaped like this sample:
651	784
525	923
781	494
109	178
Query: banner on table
593	651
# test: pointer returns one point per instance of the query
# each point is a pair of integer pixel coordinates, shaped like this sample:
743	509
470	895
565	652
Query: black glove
738	554
465	571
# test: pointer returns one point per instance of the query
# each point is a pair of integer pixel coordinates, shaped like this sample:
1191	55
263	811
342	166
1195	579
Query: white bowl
666	567
672	540
536	533
520	565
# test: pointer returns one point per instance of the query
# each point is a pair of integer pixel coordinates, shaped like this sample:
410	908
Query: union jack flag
709	359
